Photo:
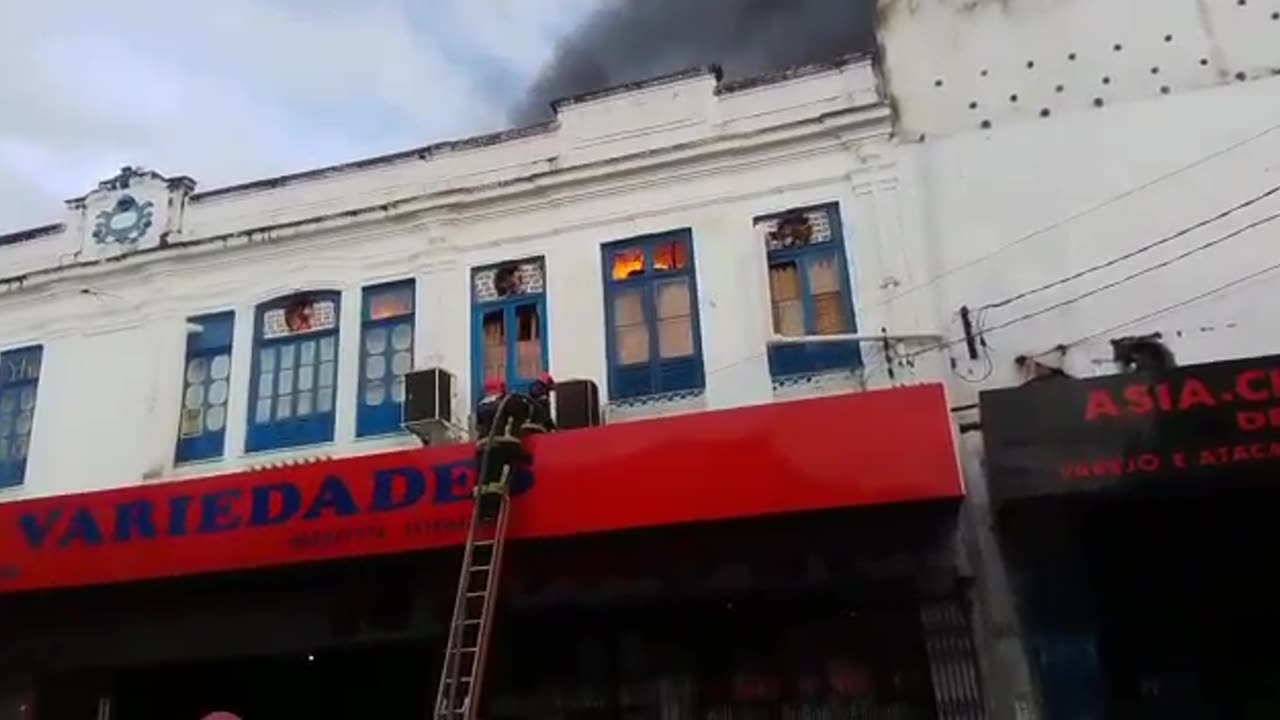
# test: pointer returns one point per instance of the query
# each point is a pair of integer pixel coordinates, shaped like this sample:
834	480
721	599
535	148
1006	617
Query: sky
234	90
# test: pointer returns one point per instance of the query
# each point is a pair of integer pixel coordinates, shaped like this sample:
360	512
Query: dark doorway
1153	606
389	682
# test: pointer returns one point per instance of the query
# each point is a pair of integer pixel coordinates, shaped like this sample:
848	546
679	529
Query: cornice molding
718	154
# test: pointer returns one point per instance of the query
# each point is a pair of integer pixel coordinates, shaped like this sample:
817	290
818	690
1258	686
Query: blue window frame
651	316
808	290
295	371
206	384
19	380
386	356
508	324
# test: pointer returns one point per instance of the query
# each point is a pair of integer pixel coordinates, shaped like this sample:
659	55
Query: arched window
509	324
295	371
386	355
206	382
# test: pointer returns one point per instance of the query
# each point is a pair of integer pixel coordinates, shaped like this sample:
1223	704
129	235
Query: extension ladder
458	695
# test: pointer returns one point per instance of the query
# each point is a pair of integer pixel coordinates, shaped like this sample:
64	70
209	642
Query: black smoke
628	40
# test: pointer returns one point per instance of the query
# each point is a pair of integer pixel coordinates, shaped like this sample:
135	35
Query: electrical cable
1185	302
1147	316
1139	273
1132	253
1080	213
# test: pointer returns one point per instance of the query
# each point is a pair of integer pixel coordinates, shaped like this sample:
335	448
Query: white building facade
162	331
1067	172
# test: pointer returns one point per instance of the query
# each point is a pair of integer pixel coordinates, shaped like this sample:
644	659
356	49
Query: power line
1080	213
1139	273
1243	279
943	345
1132	253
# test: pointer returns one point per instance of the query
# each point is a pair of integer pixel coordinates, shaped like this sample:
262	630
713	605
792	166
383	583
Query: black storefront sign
1189	427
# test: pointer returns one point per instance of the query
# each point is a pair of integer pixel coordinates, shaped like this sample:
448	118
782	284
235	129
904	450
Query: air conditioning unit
428	405
577	404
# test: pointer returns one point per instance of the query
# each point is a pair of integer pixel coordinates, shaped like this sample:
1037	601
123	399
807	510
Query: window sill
396	440
652	406
830	382
13	491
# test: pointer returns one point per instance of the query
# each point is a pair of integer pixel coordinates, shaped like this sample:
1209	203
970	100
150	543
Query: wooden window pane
494	346
528	341
675	337
824	275
830	314
784	291
673	298
631	334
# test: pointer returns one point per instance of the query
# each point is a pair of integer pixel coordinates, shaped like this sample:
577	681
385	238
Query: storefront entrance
822	615
1138	515
1153	607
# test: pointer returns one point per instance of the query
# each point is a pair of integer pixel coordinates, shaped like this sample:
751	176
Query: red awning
850	450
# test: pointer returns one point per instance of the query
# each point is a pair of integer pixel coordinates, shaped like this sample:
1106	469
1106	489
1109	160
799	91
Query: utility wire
945	344
1080	213
1132	253
1136	274
1243	279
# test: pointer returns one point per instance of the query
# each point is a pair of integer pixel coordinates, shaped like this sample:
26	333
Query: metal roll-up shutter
953	660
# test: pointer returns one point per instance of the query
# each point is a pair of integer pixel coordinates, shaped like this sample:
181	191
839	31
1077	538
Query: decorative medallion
126	222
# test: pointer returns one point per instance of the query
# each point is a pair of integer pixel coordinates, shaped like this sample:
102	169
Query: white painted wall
689	155
1033	200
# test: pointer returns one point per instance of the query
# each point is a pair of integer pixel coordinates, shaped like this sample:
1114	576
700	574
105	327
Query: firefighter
540	420
499	450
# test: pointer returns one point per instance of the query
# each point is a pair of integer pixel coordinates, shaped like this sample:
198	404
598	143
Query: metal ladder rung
478	593
480	568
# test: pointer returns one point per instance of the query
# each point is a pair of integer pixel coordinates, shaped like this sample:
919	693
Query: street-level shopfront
1139	515
769	561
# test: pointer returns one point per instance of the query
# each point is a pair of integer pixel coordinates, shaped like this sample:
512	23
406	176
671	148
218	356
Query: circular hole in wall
1164	90
1155	70
986	124
1241	76
937	83
1168	38
1097	102
1242	3
1031	64
1013	98
1275	15
1106	79
1044	112
1071	56
983	72
1117	47
1204	62
1059	88
973	104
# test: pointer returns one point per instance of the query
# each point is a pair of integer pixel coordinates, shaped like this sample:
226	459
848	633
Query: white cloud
239	89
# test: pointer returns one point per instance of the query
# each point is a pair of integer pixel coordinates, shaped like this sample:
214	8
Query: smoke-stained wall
628	40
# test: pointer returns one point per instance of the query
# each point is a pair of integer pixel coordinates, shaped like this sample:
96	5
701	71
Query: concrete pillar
1003	649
